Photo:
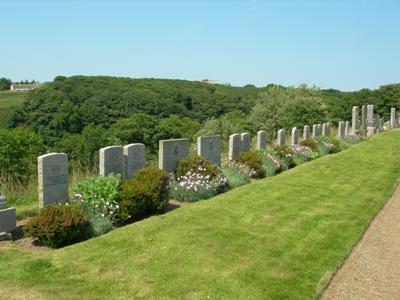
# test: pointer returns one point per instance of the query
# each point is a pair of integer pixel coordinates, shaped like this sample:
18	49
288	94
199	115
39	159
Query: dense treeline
78	115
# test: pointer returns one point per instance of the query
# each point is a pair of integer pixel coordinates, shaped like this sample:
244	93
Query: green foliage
5	84
100	195
310	143
58	225
19	149
236	174
196	164
280	107
270	164
145	194
253	161
327	145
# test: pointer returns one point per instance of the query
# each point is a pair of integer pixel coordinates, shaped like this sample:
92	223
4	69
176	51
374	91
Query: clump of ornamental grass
270	164
301	154
237	174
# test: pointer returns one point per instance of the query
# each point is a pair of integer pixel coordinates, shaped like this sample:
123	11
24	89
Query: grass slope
281	237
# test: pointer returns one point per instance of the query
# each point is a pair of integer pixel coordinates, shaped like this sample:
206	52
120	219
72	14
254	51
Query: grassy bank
281	237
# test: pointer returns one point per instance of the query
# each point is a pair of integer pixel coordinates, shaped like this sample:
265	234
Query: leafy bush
285	154
253	161
310	143
301	154
327	145
100	195
196	186
58	225
237	174
145	194
352	139
198	165
271	165
19	149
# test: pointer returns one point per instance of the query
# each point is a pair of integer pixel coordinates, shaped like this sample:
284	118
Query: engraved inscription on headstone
134	159
234	146
171	151
112	160
209	147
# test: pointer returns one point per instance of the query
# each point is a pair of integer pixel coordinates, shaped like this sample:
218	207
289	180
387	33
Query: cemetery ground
279	237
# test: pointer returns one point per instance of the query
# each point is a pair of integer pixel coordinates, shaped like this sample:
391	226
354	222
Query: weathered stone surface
171	151
328	129
355	124
134	159
370	120
381	124
295	136
281	138
261	140
315	130
363	127
52	178
209	147
393	117
112	160
8	217
234	146
325	129
341	130
245	140
306	132
347	128
377	118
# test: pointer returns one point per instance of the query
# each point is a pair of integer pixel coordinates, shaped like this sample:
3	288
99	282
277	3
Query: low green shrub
236	174
310	143
301	154
58	225
270	164
327	145
145	194
253	161
198	165
99	194
285	155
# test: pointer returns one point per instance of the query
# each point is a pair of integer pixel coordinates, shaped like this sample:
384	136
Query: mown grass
9	100
277	238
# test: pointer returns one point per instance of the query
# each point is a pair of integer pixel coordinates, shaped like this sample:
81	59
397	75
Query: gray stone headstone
281	138
245	142
347	128
381	124
341	130
325	129
261	140
234	146
393	117
306	132
315	130
377	118
170	152
328	129
8	216
134	159
52	178
370	120
363	120
355	124
112	160
209	147
295	136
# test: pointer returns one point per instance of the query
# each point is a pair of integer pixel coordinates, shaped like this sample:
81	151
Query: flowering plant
301	154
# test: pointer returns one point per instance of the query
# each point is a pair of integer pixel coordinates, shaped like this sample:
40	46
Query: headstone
234	146
370	120
377	118
325	129
393	117
245	141
328	128
112	160
52	179
381	123
209	147
261	140
355	125
341	130
295	136
315	130
363	120
281	139
171	151
306	132
347	128
8	217
319	129
134	159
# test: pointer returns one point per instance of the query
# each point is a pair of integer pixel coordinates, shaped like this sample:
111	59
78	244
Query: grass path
278	238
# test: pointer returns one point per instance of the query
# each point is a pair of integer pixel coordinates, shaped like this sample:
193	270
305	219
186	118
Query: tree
5	84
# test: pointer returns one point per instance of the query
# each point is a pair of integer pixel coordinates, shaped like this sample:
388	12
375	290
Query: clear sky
346	45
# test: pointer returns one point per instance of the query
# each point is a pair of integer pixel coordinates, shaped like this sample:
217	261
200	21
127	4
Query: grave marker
261	140
112	160
134	159
171	151
295	136
8	217
306	132
209	147
281	139
245	140
234	146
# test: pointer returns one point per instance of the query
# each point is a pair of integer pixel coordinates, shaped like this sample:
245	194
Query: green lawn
280	237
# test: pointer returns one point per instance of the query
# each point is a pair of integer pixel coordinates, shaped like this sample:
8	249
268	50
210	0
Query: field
280	237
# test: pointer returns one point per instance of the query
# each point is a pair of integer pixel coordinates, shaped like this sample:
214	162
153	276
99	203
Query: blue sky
346	45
